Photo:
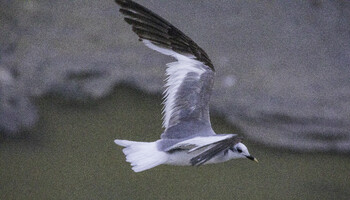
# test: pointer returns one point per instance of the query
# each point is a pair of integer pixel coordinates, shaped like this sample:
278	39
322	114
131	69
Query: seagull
188	138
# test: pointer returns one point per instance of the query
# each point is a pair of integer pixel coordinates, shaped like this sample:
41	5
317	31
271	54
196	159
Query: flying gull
188	138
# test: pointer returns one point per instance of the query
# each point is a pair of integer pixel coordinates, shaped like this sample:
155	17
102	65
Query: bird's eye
239	150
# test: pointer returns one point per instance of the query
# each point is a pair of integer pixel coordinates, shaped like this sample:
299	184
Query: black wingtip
126	3
154	28
197	161
122	2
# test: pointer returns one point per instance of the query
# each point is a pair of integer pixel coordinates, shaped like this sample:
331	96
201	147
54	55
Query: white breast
183	157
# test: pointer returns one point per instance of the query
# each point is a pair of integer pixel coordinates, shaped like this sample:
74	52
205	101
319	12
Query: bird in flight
188	138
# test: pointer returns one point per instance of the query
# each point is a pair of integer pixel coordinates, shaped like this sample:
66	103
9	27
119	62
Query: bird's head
241	151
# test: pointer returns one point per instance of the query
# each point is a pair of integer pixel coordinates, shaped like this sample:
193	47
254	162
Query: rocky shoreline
283	68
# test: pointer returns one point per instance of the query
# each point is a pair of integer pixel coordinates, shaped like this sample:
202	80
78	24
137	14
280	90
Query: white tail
142	155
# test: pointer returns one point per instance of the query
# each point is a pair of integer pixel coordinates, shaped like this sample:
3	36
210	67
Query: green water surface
71	155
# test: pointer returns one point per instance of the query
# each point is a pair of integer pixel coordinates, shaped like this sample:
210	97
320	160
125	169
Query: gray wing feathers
190	114
192	99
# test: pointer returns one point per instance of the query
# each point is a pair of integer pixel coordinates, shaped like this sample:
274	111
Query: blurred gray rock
17	112
283	67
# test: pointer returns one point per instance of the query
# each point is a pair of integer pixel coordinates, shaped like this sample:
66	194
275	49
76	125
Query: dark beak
252	158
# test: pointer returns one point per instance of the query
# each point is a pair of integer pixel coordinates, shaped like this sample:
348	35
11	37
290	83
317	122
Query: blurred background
73	78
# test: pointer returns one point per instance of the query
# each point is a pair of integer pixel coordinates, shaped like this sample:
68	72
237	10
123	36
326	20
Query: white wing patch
176	73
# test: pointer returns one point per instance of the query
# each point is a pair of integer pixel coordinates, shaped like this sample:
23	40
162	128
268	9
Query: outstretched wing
189	80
